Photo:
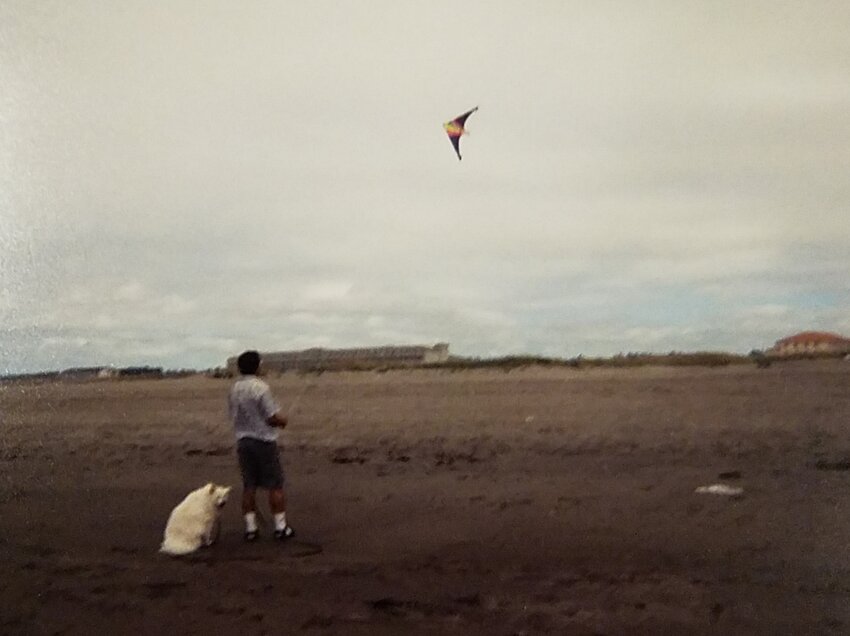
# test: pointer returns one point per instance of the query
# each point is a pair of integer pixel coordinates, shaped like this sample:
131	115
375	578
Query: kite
455	130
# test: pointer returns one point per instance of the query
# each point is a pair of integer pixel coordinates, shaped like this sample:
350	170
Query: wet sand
536	501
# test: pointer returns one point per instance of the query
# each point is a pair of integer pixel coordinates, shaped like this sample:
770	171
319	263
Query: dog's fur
194	521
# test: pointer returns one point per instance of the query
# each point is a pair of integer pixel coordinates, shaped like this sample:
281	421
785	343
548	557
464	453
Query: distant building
106	372
141	372
360	358
37	376
810	342
85	373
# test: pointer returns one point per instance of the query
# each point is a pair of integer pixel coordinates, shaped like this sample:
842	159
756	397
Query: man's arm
277	419
267	404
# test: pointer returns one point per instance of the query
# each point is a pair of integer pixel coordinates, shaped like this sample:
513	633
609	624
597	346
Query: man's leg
249	512
277	497
249	500
245	450
277	502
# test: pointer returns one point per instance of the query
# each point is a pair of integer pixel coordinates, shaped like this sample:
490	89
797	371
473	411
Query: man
256	418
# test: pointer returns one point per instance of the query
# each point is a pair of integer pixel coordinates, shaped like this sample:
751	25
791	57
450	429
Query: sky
180	181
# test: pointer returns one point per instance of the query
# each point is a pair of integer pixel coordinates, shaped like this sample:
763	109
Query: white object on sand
195	520
720	489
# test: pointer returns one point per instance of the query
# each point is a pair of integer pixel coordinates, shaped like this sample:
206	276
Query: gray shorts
259	463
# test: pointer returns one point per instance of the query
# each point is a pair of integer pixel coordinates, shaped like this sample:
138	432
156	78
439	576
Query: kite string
294	403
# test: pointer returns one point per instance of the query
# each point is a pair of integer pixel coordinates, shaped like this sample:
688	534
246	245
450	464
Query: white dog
194	521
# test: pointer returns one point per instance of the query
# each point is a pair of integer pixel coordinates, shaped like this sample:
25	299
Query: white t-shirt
251	404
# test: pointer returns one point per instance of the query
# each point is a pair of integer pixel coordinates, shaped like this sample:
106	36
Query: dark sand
540	501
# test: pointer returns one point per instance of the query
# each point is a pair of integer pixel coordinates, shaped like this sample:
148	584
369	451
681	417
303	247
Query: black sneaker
251	535
286	533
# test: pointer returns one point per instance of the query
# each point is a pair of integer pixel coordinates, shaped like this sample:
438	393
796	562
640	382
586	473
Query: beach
538	500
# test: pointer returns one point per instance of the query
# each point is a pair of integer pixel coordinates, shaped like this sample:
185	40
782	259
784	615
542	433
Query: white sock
279	520
250	522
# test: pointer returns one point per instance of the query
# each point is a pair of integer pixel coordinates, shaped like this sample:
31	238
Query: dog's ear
212	487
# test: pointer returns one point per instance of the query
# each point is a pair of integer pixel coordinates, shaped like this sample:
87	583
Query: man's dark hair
248	362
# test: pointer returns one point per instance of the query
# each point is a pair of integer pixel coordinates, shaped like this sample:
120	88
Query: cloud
175	183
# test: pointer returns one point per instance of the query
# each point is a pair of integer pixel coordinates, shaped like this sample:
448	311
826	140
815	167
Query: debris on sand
349	455
842	464
721	489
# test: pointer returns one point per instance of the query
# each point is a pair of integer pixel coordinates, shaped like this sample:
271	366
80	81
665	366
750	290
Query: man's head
248	363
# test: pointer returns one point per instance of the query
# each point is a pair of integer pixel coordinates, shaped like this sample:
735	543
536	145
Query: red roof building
811	342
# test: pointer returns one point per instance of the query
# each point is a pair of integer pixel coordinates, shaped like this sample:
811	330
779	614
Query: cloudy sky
183	180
